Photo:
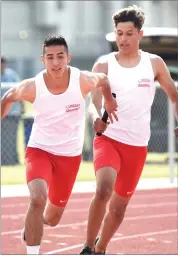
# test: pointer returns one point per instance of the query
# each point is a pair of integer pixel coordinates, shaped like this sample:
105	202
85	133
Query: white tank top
59	120
135	90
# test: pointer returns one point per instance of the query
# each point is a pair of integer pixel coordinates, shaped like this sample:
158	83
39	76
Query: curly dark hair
130	14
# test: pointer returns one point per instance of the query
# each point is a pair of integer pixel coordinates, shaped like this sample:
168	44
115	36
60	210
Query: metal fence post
171	142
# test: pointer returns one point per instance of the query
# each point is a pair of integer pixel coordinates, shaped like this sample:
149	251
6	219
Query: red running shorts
59	172
127	160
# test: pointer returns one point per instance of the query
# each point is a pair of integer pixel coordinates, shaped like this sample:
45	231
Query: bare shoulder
24	91
156	59
158	64
27	89
101	64
28	83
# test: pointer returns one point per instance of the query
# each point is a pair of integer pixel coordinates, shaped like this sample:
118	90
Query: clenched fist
100	126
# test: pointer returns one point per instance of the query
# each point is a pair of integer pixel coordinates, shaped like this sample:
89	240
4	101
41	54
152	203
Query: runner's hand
111	108
100	126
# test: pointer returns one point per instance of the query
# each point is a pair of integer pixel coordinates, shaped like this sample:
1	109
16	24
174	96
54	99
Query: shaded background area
84	24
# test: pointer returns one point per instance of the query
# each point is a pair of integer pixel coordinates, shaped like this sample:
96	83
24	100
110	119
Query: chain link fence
16	129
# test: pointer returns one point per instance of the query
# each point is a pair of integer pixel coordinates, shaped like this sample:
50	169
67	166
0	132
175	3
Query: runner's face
56	60
128	37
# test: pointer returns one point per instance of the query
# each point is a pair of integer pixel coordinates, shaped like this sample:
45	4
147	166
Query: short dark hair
3	60
132	13
54	40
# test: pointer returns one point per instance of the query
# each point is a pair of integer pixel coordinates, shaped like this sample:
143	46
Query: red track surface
150	225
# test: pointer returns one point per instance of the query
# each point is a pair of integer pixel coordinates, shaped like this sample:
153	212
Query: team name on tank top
135	90
59	119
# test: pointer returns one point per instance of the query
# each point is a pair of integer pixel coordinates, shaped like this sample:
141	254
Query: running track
150	225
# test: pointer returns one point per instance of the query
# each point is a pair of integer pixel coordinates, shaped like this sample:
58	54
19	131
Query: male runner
120	153
54	150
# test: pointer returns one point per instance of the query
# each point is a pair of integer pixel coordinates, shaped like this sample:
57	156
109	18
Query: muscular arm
91	80
95	105
167	84
96	95
24	92
98	83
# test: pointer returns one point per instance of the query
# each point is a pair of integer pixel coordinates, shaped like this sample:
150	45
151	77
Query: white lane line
167	241
150	239
151	205
116	239
21	215
47	227
157	216
65	249
75	200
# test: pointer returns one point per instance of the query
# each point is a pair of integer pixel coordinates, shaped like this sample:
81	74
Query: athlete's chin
57	74
125	50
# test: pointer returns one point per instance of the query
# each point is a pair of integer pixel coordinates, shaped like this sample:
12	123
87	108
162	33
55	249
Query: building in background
25	24
84	24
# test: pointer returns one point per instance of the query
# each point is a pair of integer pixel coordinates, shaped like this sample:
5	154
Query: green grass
16	174
151	157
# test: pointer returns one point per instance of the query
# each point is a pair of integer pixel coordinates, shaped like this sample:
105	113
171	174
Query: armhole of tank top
148	56
75	72
37	88
80	91
110	58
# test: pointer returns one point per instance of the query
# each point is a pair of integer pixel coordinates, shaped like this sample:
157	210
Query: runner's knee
104	191
38	193
117	207
118	211
38	201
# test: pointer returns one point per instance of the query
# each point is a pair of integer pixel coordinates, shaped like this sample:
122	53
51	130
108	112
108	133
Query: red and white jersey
59	120
135	90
